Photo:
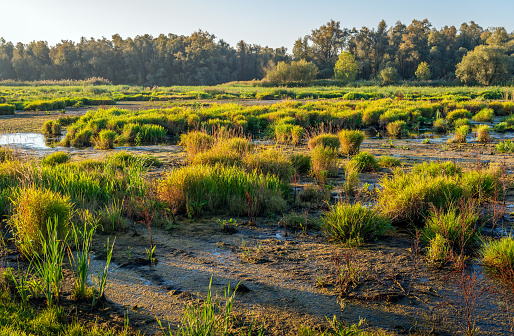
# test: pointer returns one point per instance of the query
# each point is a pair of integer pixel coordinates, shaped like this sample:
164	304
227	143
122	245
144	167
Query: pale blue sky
265	22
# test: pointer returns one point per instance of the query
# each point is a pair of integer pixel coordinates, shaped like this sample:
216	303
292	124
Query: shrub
196	142
365	162
198	189
397	128
483	133
325	140
389	161
506	146
457	224
301	163
351	177
458	114
460	134
440	125
353	223
501	127
33	209
323	163
269	161
56	158
105	139
485	115
313	195
350	141
7	109
498	258
389	76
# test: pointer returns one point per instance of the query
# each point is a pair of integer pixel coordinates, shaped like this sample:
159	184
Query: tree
423	71
328	40
346	68
389	75
486	65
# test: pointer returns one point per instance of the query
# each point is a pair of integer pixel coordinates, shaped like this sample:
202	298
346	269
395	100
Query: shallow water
27	140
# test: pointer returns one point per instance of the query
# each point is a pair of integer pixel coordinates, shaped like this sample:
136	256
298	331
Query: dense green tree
389	75
346	68
301	71
423	71
486	65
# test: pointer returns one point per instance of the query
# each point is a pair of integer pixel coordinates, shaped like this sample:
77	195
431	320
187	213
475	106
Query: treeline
202	59
198	59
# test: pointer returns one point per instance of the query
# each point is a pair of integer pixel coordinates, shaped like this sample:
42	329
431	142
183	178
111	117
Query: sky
266	22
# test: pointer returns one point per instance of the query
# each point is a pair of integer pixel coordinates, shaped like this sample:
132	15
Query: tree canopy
346	68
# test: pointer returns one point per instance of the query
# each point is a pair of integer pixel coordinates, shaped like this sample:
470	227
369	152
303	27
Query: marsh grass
506	146
101	277
325	140
498	257
83	239
350	141
324	163
33	209
198	189
389	161
365	162
105	139
485	115
269	161
483	133
460	135
397	129
196	142
56	158
301	163
352	224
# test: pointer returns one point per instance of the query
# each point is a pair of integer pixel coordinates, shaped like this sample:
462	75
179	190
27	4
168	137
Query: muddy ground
288	278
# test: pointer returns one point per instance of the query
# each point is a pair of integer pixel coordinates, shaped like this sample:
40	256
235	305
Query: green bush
56	158
365	162
397	128
350	141
353	224
325	140
33	208
485	115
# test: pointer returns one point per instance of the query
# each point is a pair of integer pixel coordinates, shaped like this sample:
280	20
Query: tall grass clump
389	161
365	162
325	140
7	109
350	141
397	128
457	225
506	146
483	133
33	209
446	168
225	151
51	128
105	139
56	158
458	114
353	223
83	239
301	163
198	189
460	135
407	198
6	154
485	115
196	142
270	161
461	122
440	125
324	163
288	133
498	258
